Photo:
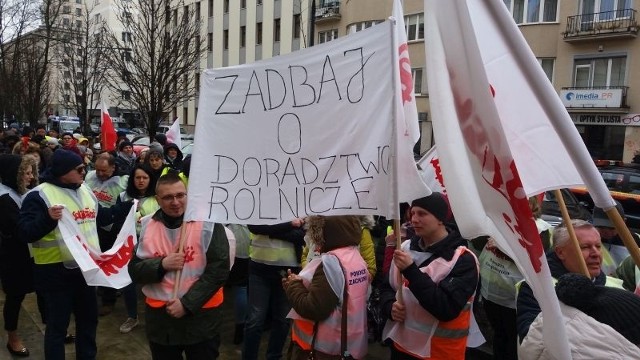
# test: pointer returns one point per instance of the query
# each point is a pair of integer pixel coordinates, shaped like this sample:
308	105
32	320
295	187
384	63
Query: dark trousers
80	300
505	334
205	350
11	311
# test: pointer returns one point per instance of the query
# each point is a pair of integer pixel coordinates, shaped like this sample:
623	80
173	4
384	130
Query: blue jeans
81	300
240	305
265	290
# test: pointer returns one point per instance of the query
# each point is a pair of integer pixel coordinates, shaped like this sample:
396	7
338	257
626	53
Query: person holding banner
18	174
440	277
182	267
57	276
564	260
329	296
141	186
275	249
106	185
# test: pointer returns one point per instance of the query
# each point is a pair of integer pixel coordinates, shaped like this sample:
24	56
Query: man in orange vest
189	321
439	279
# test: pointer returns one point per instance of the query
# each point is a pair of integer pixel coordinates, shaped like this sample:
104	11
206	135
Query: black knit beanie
64	161
437	204
617	308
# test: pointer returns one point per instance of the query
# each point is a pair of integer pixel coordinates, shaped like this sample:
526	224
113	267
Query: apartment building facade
587	48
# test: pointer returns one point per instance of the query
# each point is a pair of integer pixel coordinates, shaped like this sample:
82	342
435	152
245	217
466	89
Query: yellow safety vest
83	206
269	251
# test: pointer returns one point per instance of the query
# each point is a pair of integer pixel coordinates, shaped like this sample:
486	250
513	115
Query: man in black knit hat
440	276
57	276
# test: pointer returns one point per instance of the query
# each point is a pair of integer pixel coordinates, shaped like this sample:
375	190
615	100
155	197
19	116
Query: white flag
173	134
410	186
480	172
101	269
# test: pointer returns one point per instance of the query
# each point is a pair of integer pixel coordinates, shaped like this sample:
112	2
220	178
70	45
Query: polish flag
108	134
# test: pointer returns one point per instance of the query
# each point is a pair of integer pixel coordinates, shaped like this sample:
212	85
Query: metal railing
327	9
616	21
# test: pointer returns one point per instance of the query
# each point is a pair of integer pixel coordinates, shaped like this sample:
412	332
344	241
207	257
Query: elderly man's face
590	249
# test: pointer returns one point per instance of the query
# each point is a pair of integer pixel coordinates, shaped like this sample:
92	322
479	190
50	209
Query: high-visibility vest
271	251
4	189
83	206
421	335
637	275
499	276
341	266
156	241
146	206
107	191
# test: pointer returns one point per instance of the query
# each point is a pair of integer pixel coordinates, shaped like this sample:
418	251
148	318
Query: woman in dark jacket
18	174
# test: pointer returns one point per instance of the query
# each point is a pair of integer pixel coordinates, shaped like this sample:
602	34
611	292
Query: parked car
187	149
140	142
551	209
623	181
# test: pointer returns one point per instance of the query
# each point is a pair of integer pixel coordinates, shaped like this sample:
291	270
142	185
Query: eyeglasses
178	196
80	169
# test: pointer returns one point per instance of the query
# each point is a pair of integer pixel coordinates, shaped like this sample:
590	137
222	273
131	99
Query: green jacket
627	273
198	324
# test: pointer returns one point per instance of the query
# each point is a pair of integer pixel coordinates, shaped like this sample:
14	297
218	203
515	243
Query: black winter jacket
446	299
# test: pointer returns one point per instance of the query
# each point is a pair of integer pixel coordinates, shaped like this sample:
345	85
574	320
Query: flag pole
625	234
572	234
176	284
396	145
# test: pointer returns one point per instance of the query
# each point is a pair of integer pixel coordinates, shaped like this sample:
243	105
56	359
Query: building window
197	11
126	55
185	114
78	11
547	66
126	36
78	23
210	8
276	30
210	42
243	4
297	26
417	80
225	39
243	36
600	72
65	21
66	10
363	25
226	6
197	44
324	36
415	26
126	95
534	11
259	33
603	10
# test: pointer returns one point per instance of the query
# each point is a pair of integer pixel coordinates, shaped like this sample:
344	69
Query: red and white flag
429	168
409	186
108	134
173	134
472	78
109	268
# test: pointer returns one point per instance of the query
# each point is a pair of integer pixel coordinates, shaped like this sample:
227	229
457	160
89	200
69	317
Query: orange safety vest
158	241
356	277
421	335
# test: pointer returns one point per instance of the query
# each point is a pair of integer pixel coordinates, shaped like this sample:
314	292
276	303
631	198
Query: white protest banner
429	168
101	269
306	133
173	134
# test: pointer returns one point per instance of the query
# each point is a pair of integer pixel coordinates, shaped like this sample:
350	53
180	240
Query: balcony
327	11
610	99
618	24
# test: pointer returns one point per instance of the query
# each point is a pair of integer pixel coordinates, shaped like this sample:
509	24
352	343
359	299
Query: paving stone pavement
112	345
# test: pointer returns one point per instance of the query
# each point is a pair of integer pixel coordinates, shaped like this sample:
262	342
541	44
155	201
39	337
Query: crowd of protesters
326	285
